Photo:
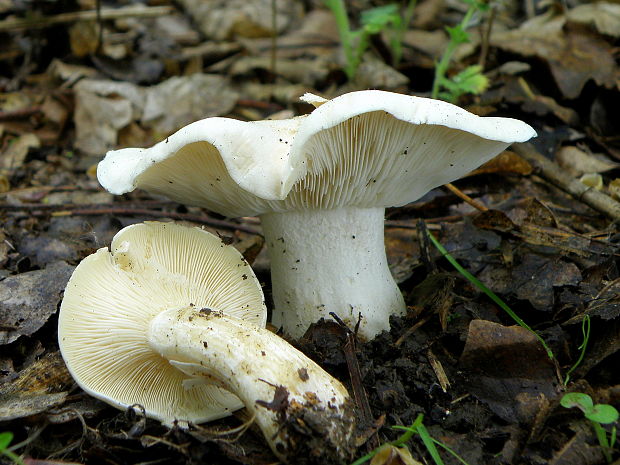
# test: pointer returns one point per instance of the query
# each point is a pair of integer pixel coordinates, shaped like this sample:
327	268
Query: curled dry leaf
392	455
574	55
505	162
578	162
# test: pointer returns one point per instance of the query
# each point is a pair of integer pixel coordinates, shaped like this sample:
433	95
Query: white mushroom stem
284	390
326	261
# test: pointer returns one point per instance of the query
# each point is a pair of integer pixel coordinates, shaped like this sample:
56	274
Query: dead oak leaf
575	54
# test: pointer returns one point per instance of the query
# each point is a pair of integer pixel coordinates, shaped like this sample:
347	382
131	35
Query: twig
21	113
404	224
359	393
83	206
99	27
412	329
484	45
466	198
88	15
222	224
274	39
260	105
554	174
425	254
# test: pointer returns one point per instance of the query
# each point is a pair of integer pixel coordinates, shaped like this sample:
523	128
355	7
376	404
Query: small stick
18	114
82	206
556	175
222	224
425	254
484	44
88	15
463	196
438	369
274	39
354	372
405	225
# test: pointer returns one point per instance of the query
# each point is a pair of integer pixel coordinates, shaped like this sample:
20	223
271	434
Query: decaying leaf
505	162
604	16
316	37
28	299
532	279
391	455
575	55
38	387
511	369
181	100
225	19
103	108
579	162
14	155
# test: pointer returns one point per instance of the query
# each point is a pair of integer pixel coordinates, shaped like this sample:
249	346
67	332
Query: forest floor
73	87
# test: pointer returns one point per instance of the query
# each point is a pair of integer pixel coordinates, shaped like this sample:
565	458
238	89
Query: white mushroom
320	184
172	319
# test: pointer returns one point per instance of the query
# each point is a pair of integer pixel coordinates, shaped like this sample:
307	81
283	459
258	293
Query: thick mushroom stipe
357	283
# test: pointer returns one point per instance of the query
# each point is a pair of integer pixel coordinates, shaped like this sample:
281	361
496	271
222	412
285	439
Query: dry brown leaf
575	55
317	36
54	111
226	19
28	299
101	109
391	455
14	155
38	387
578	162
499	378
181	100
605	16
505	162
373	73
84	38
307	72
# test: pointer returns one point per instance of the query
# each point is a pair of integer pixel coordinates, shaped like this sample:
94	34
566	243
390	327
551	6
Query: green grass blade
5	439
449	450
487	291
429	444
585	330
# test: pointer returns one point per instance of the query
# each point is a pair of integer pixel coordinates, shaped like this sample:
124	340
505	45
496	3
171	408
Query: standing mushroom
171	319
320	184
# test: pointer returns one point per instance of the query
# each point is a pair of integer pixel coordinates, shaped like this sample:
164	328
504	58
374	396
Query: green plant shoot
5	440
476	282
585	330
468	81
598	414
373	21
417	427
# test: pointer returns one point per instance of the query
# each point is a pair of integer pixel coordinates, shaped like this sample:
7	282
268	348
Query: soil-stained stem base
305	414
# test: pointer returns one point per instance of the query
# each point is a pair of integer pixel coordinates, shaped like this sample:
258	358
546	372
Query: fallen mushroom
171	320
320	184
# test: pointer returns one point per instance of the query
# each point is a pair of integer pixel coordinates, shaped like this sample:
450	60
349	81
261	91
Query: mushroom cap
364	149
222	164
112	297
